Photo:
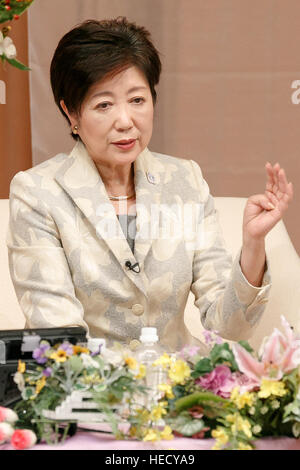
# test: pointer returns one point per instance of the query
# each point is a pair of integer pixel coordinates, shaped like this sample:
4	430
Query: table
97	441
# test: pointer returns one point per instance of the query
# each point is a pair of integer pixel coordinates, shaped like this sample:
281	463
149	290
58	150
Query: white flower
7	415
7	47
115	358
88	361
264	409
256	429
6	431
19	380
275	404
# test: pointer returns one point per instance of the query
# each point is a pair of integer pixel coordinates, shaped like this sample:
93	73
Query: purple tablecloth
97	441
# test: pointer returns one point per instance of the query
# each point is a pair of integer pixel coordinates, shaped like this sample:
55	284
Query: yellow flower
79	349
166	433
242	400
243	446
271	387
21	367
179	371
220	435
157	412
152	435
59	356
132	431
165	360
239	424
131	362
91	379
139	370
144	415
167	390
40	384
142	372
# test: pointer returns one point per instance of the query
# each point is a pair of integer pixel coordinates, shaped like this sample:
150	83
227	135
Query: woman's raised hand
263	211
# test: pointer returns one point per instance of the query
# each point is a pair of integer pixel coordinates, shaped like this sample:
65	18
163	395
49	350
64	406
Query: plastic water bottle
147	354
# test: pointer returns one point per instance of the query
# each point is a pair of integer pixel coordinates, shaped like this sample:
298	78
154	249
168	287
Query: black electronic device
18	345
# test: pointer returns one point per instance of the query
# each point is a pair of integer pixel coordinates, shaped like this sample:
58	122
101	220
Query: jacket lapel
80	178
148	185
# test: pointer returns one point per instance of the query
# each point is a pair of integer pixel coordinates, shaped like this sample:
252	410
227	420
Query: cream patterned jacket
68	254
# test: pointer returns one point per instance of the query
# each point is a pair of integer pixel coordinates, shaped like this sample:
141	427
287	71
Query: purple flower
218	381
97	351
47	372
218	339
207	336
39	353
188	352
212	337
67	347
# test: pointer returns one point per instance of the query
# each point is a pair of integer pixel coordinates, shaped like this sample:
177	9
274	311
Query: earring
75	130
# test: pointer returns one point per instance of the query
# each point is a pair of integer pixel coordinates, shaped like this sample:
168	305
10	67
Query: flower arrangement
233	395
237	396
11	10
112	378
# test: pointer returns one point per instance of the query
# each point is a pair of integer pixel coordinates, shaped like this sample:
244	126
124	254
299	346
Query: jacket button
137	309
134	344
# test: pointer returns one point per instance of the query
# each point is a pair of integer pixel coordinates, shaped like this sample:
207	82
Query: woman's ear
71	117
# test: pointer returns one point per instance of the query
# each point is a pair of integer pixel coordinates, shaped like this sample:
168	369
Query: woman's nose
124	119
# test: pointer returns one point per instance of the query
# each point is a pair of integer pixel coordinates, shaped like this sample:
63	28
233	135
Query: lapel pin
150	177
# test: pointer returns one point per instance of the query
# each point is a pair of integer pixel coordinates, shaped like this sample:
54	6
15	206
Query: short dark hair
93	50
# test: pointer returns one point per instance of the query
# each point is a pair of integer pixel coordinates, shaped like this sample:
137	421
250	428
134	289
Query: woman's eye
103	106
138	100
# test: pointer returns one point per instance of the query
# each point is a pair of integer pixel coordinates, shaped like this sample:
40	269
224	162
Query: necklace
120	198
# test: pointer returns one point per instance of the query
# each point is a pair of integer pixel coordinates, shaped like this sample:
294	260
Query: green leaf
100	388
5	15
27	393
81	387
186	425
100	362
292	382
292	411
76	364
198	398
17	64
296	430
17	8
221	353
246	346
202	367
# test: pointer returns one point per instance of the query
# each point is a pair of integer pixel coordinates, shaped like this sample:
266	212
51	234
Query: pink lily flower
278	355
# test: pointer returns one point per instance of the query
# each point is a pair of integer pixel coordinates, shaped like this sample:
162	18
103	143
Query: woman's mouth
125	144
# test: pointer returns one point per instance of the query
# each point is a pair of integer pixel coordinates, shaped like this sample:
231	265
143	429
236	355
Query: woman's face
116	118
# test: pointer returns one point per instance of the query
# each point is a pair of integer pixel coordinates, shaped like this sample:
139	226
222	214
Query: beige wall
225	98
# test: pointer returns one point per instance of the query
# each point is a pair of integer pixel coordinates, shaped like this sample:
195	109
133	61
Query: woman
71	262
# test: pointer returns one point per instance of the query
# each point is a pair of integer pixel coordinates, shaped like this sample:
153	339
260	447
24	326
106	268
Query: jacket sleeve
227	302
38	266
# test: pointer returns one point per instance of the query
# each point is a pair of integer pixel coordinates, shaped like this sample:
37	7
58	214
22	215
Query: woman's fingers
272	198
290	191
270	177
277	182
276	170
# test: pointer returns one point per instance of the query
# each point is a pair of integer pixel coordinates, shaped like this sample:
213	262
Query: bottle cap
149	335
